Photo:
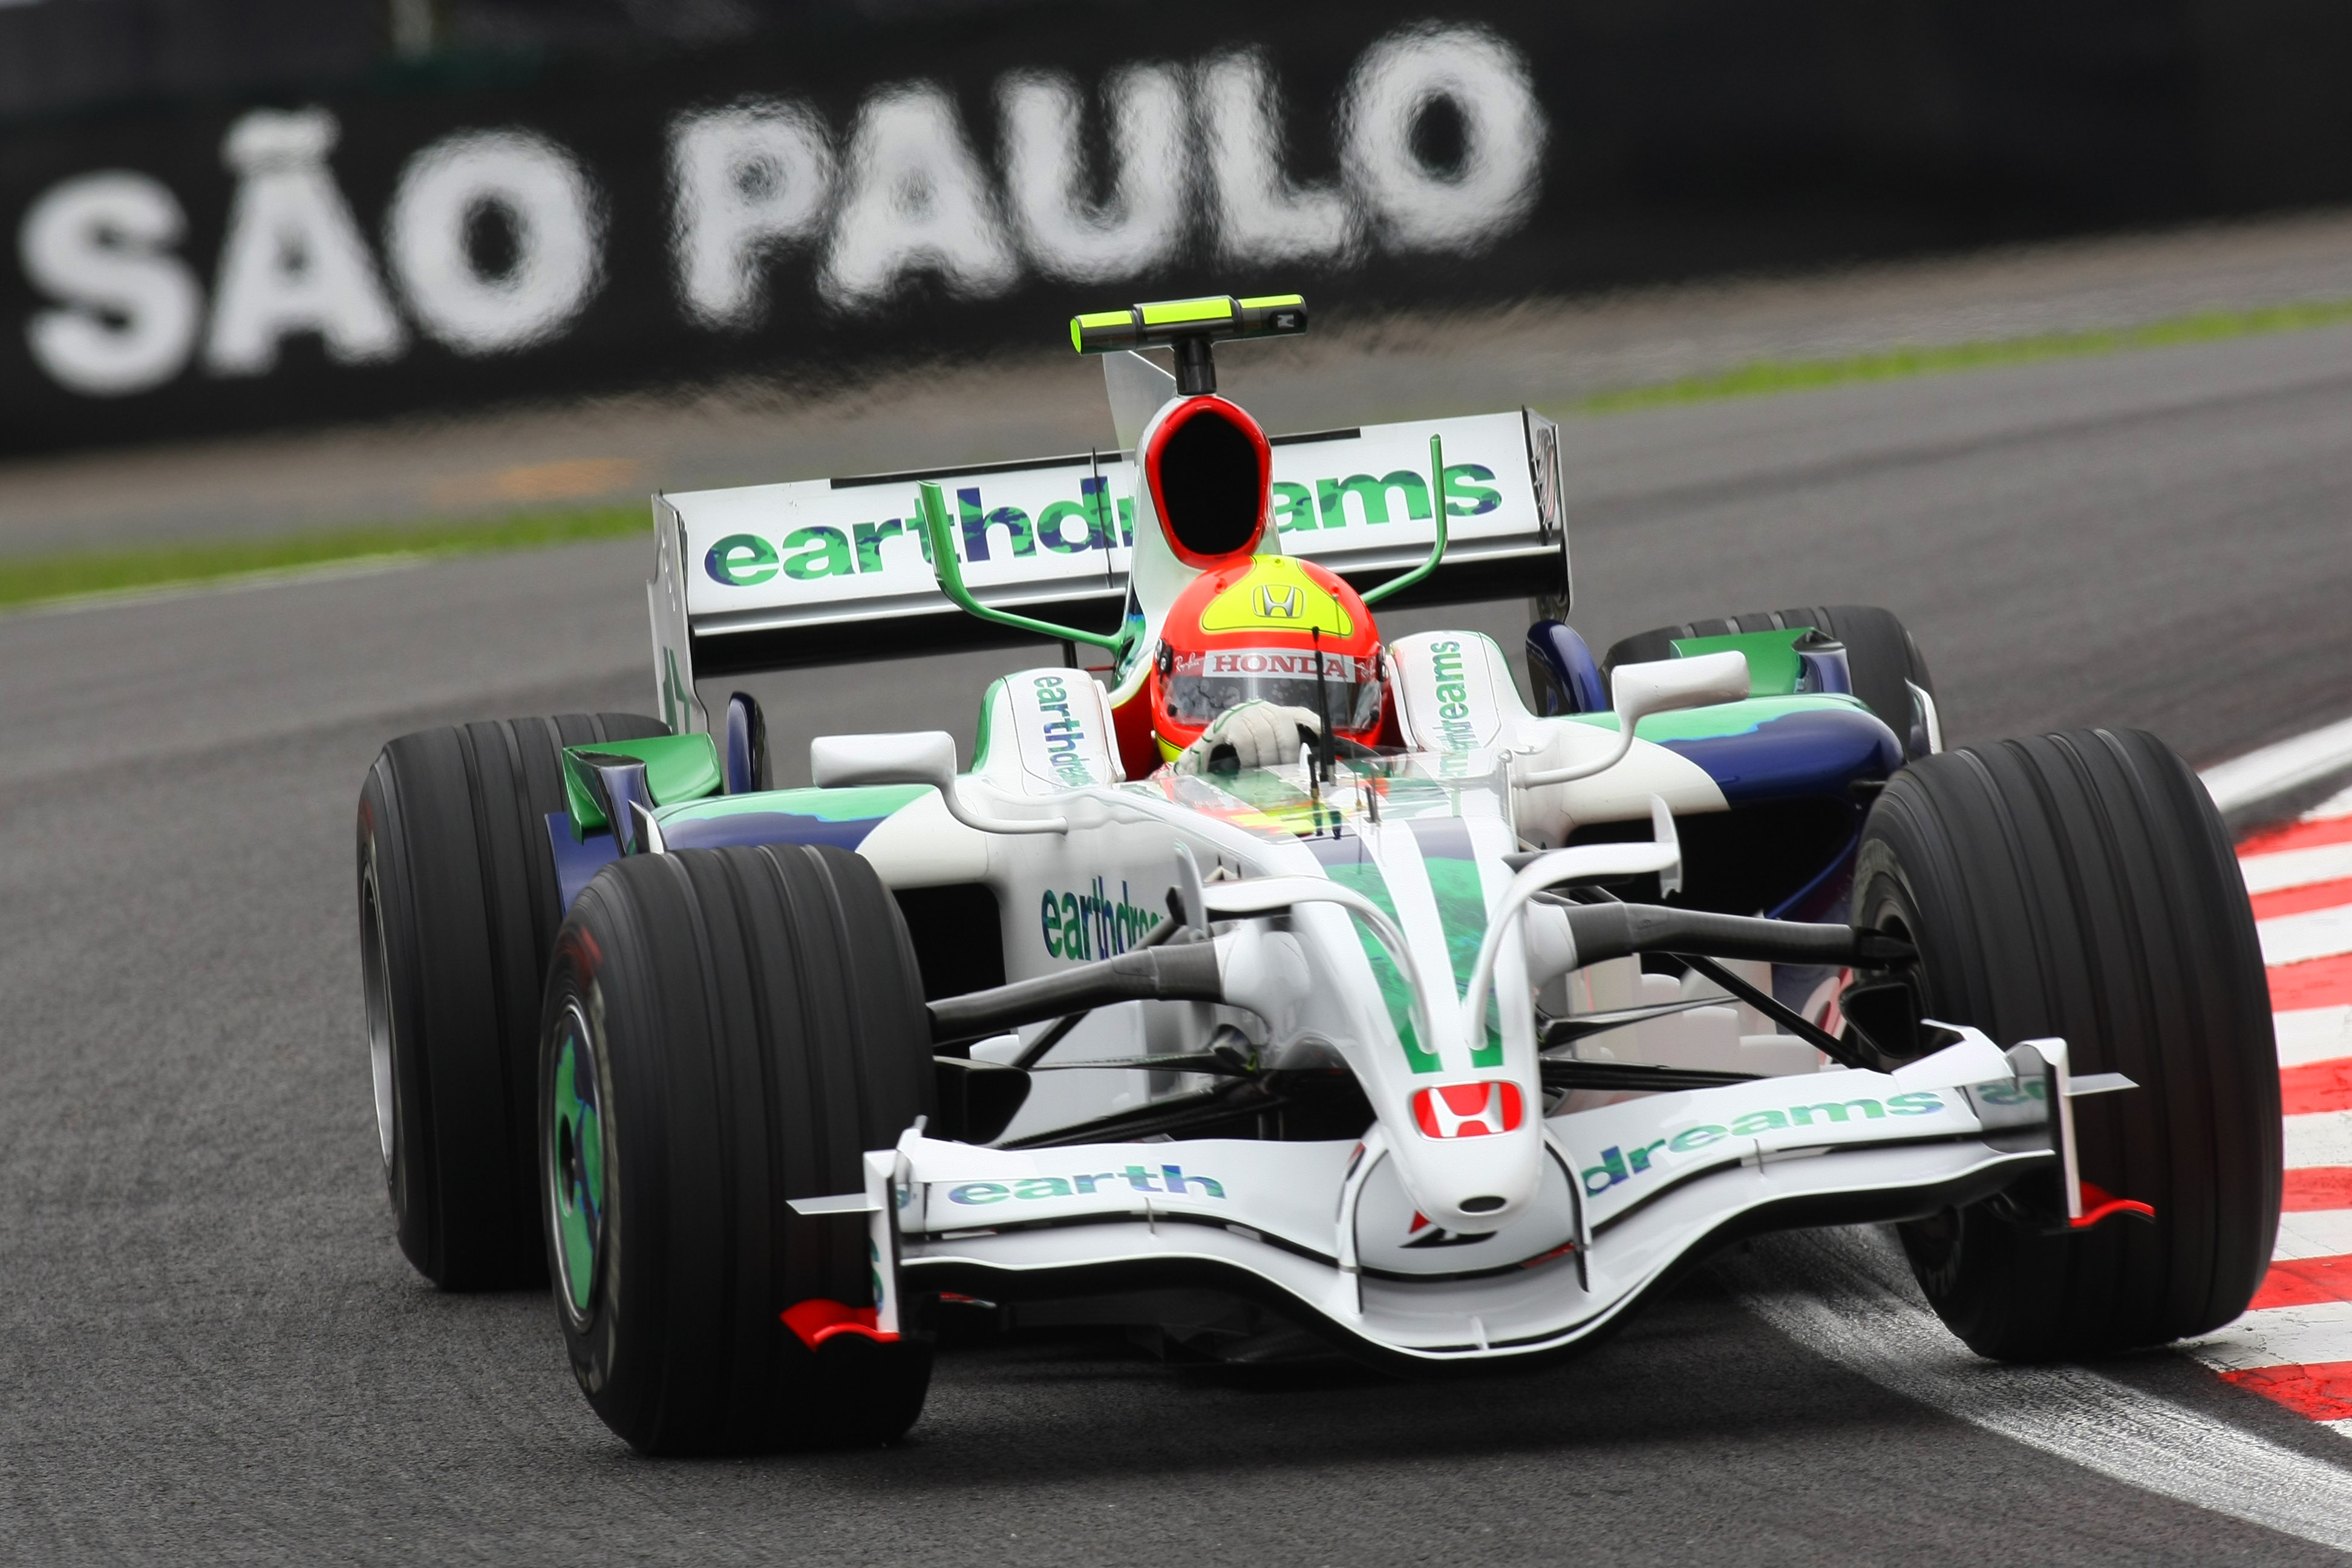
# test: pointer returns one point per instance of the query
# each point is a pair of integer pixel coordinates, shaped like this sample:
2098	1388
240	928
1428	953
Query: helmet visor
1204	684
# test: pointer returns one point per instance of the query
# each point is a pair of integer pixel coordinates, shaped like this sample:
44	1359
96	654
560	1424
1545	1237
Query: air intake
1211	472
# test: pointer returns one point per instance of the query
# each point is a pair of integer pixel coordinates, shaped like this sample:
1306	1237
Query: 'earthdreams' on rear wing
830	571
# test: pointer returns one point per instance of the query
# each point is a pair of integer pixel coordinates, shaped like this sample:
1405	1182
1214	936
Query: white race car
1444	1052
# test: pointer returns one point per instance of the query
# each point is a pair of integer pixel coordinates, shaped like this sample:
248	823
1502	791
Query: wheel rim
376	985
576	1156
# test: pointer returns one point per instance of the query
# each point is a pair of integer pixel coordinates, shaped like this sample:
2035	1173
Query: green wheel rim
577	1153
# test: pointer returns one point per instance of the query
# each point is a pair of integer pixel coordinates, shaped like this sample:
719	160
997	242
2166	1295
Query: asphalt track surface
211	1349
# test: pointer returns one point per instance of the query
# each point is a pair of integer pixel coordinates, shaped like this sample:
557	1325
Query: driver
1233	681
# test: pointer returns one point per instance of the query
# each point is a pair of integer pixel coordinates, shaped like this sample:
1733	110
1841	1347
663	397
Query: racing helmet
1253	630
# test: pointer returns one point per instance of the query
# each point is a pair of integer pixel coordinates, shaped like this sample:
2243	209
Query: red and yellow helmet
1253	630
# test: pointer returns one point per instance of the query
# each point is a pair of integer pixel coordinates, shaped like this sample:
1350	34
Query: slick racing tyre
2081	885
726	1030
1880	654
458	913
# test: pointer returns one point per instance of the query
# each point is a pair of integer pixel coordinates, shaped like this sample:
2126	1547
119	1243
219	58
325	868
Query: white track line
2310	1035
2278	1336
2322	1138
2275	770
2313	1233
2292	1352
2295	867
2335	805
1848	1296
2314	933
231	582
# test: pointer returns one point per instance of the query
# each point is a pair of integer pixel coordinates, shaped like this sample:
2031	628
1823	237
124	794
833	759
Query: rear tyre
2081	885
724	1030
458	913
1880	654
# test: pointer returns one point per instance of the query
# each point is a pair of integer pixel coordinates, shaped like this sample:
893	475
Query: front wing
1324	1234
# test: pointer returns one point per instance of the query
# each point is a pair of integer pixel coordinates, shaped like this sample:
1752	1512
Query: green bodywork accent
1276	798
1773	667
858	803
1461	913
1724	718
947	569
677	768
1268	301
1365	877
1266	790
981	735
1440	837
579	1152
1437	548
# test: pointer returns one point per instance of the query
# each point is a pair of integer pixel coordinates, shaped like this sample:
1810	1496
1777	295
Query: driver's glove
1254	734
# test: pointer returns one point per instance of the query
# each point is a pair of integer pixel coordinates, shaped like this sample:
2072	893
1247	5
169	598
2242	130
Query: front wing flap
1324	1233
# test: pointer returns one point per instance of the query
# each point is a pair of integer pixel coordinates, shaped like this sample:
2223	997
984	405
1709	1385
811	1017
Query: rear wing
830	571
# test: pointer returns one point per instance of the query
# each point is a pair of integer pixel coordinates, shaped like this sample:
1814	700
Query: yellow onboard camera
1189	327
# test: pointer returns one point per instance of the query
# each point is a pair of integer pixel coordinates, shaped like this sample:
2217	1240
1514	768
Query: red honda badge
1468	1109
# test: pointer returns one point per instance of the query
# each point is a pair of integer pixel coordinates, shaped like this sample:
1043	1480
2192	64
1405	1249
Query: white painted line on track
2275	770
2278	1336
1848	1296
2313	1233
2335	805
2322	1138
2293	1345
2314	933
231	582
2295	867
2308	1034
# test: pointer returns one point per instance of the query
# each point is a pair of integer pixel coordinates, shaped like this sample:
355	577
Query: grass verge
1762	378
80	573
89	573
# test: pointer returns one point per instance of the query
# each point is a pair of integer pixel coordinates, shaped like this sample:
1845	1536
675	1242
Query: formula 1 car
1445	1051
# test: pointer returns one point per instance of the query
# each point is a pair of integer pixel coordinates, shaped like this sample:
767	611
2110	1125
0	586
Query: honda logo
1425	1234
1279	601
1469	1110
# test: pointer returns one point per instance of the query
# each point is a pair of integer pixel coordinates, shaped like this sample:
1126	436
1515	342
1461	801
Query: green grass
80	573
1762	378
69	574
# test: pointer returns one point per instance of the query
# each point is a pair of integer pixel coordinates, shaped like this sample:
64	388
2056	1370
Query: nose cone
1474	1158
1210	473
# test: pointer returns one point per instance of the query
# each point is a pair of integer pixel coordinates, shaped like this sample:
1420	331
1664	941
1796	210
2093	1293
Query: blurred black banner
851	189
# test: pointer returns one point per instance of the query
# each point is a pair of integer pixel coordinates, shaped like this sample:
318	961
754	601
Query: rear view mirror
1638	690
915	757
920	757
1664	686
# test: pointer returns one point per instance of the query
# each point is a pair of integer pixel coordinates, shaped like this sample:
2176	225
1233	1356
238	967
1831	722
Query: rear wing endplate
830	571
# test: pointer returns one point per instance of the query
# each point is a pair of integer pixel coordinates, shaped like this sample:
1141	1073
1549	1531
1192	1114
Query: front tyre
725	1030
458	906
2081	885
